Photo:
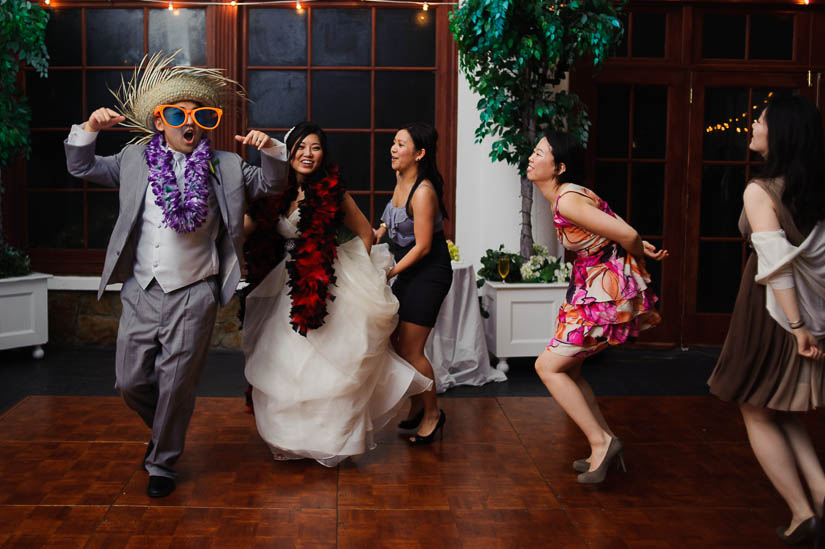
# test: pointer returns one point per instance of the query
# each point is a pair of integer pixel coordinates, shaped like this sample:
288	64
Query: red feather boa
310	266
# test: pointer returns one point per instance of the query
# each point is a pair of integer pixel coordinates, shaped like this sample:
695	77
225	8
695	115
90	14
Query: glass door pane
719	167
630	171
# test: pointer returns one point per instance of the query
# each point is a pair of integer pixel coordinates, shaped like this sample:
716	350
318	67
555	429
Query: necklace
313	253
185	212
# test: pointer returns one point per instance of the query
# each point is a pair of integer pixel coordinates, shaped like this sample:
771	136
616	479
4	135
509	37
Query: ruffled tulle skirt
324	396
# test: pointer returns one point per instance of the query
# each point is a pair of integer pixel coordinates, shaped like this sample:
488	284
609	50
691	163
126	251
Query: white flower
531	269
539	250
563	272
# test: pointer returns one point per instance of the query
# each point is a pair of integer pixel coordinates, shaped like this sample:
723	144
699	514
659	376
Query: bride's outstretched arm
356	222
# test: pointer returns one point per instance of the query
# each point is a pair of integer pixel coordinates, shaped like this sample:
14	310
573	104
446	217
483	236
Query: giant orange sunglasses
174	116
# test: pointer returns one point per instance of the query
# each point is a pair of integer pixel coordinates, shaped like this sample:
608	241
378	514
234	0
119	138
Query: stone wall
78	317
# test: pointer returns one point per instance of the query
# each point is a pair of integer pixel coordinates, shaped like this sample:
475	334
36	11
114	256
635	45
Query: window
64	213
360	85
631	141
727	165
645	35
749	37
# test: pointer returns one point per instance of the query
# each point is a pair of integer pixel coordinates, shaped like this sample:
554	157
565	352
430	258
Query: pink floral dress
608	301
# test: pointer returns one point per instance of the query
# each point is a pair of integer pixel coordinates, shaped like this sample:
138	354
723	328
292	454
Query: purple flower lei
184	213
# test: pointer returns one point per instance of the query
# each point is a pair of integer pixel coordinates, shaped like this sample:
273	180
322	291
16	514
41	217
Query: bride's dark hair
295	137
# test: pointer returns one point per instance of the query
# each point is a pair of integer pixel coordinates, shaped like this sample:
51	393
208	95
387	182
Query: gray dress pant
162	342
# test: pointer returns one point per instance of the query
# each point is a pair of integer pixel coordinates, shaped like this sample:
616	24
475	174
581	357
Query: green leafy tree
22	41
514	53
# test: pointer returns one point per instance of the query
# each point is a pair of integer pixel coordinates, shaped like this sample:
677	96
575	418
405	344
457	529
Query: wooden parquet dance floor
70	476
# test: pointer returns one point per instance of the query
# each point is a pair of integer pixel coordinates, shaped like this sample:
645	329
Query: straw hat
156	83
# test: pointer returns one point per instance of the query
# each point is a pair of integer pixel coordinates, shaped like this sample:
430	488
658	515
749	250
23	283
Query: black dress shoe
160	487
439	428
805	531
149	449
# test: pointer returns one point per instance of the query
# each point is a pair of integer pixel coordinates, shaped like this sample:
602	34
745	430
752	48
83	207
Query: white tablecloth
456	347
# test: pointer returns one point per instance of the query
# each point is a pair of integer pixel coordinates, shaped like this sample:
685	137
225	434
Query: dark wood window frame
684	67
224	45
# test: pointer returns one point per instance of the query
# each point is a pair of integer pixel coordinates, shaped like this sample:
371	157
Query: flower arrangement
453	247
543	267
540	267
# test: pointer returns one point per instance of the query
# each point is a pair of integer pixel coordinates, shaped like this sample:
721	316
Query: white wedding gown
325	395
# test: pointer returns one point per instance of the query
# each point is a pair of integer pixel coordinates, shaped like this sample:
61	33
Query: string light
48	2
190	3
298	5
171	7
725	126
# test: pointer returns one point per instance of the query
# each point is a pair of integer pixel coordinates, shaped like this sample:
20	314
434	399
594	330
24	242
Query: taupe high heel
581	465
614	450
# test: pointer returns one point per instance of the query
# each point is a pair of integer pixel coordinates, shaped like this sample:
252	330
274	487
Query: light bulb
171	7
298	5
425	7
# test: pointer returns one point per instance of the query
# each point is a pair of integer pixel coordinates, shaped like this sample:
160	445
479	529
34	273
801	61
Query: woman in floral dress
608	301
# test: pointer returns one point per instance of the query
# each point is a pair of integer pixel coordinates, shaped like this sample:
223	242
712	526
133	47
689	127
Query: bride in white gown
324	394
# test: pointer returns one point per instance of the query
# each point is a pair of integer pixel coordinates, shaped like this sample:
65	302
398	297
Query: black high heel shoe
804	531
819	541
614	451
439	427
412	422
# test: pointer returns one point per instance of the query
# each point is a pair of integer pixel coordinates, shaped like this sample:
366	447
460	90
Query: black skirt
421	288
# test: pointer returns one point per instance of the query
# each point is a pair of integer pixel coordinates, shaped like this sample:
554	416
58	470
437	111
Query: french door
719	165
636	158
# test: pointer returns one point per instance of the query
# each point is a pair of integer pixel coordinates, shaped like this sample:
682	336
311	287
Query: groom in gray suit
177	242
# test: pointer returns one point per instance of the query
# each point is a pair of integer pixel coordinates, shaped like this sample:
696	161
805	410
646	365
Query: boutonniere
212	163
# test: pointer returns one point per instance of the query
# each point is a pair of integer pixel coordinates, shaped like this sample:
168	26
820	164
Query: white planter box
522	317
24	319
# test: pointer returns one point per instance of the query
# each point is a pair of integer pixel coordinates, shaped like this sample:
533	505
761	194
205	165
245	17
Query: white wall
488	194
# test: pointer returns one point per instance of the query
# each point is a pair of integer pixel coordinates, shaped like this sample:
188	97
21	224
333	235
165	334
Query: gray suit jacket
235	183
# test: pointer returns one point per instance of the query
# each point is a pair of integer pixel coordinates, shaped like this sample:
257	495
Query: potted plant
521	299
23	294
514	56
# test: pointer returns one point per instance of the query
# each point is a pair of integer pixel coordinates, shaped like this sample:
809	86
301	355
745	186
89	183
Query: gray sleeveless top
400	225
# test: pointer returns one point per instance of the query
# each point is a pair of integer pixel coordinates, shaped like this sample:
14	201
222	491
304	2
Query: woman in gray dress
413	220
